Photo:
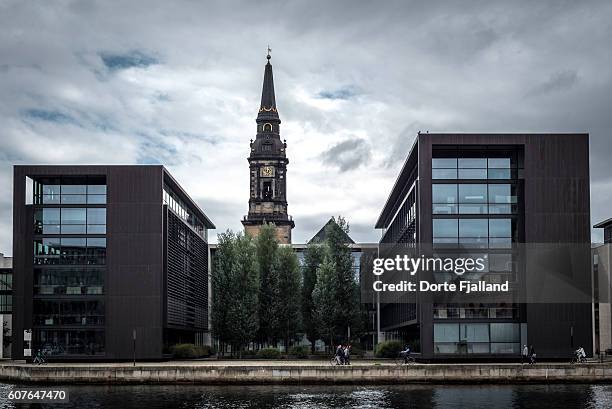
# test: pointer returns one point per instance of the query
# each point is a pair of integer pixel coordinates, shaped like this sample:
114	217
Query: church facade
268	169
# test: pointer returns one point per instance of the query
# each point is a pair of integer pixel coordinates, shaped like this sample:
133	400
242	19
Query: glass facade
179	207
476	204
477	338
69	256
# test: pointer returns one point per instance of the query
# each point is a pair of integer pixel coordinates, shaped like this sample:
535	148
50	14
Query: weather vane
269	51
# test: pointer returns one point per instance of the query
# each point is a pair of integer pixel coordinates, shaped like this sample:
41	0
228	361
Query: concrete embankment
287	373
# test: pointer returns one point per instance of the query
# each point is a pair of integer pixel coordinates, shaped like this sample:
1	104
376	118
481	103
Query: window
444	168
444	163
69	251
472	198
58	342
444	198
73	220
446	332
475	162
472	163
80	280
267	190
444	228
96	250
471	338
500	228
47	221
70	190
96	220
473	233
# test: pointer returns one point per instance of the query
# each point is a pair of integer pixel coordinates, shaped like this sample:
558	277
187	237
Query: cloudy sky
178	83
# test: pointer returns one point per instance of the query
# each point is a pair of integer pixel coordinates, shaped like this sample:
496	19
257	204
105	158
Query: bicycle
39	358
402	359
334	361
578	359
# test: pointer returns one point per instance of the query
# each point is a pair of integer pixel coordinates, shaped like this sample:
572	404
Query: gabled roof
322	234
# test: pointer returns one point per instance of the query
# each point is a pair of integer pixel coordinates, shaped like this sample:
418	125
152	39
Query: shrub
268	353
190	351
388	349
299	351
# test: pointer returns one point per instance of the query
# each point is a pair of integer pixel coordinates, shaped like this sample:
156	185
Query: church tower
268	169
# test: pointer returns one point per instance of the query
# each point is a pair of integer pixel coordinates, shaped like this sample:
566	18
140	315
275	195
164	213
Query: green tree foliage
267	259
323	297
287	304
313	257
235	283
346	306
221	283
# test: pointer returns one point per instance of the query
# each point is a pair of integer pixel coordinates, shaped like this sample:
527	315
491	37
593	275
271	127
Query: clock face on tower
267	171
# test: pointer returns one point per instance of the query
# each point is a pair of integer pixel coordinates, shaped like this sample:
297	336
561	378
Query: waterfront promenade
300	372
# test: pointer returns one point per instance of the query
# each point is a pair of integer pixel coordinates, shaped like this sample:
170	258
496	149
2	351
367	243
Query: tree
242	313
221	282
345	307
313	257
267	259
288	295
323	297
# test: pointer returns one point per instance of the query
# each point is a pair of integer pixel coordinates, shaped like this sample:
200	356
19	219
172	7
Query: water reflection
286	397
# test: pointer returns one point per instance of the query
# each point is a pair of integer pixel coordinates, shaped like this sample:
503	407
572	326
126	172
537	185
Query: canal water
308	397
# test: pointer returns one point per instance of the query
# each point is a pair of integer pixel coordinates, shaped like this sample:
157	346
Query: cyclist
580	355
39	358
405	353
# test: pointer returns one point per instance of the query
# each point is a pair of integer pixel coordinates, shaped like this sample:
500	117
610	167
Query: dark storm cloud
340	93
348	155
130	59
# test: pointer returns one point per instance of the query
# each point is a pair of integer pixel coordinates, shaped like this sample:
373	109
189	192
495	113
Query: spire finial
269	51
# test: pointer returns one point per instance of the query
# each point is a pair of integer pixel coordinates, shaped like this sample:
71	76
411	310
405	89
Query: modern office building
268	169
491	192
107	259
602	290
6	304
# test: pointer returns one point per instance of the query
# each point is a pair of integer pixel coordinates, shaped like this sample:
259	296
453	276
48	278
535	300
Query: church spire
267	109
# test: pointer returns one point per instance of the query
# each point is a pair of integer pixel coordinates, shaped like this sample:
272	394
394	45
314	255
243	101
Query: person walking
347	354
532	355
525	355
339	355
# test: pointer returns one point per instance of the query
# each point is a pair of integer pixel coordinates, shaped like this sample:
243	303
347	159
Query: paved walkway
266	363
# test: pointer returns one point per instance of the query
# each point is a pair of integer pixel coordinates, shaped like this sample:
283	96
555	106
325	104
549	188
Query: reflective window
69	280
472	163
446	332
505	332
443	163
470	193
445	228
500	228
444	173
499	163
70	251
444	197
74	216
474	332
59	342
472	174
